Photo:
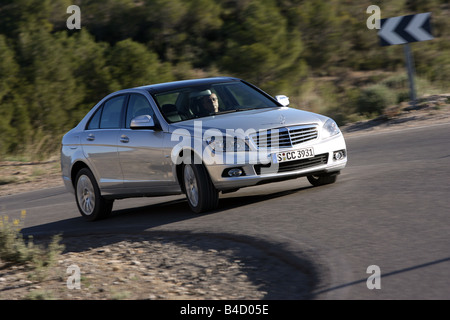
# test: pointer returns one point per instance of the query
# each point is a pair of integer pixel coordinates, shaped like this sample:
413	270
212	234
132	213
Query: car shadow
141	218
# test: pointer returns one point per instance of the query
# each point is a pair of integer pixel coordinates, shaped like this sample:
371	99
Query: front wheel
91	204
200	192
322	179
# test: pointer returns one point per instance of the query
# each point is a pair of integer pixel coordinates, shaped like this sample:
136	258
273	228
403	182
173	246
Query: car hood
256	120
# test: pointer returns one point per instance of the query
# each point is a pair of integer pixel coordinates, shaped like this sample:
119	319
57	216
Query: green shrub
374	99
396	81
399	83
14	249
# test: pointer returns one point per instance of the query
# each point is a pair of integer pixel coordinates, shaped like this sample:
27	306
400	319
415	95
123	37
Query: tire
90	203
320	180
200	192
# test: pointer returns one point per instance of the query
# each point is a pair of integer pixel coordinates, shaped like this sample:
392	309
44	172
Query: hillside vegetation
319	52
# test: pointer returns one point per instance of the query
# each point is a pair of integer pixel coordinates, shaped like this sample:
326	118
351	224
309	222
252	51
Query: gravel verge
161	266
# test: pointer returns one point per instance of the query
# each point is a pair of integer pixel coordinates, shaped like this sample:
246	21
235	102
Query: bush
399	83
14	249
374	99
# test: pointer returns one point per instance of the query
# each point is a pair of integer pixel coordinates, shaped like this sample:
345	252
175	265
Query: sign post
403	30
411	72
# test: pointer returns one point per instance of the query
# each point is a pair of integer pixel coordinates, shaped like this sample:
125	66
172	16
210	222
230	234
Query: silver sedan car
194	137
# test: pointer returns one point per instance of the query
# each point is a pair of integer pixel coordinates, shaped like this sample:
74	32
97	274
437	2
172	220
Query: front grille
286	137
293	165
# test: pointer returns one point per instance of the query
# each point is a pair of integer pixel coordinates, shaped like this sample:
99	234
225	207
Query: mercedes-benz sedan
194	137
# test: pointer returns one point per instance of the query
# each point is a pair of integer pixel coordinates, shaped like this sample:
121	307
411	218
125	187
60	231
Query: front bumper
254	173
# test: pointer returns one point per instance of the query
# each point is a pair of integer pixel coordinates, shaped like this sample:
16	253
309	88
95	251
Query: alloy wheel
86	195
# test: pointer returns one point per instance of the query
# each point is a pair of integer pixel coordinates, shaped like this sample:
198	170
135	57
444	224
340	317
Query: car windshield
188	103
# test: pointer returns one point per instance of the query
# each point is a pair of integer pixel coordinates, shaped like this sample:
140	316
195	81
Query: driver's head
210	103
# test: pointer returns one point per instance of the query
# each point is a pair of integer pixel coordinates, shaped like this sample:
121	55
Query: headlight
227	144
330	129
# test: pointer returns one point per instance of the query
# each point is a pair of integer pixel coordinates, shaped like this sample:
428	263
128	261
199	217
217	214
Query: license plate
293	155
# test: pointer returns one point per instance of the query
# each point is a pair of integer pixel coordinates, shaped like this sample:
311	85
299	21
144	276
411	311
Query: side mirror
283	100
143	122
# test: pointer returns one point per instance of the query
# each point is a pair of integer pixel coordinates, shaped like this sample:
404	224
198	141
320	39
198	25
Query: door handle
124	139
90	137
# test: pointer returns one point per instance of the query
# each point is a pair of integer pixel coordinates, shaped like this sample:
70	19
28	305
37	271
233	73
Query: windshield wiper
241	109
255	108
225	111
245	109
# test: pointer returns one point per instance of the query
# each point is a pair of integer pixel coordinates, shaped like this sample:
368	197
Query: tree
203	25
8	80
16	15
90	69
49	88
260	47
163	28
133	65
112	20
320	31
8	68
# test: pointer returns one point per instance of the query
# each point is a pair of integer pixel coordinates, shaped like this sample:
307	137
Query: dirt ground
430	110
17	177
173	267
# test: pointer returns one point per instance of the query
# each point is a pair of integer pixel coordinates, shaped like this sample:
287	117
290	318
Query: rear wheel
91	204
200	192
322	179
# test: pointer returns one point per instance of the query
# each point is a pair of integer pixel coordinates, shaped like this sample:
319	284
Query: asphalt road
390	207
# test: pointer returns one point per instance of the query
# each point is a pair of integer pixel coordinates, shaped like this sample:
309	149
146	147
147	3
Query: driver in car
208	103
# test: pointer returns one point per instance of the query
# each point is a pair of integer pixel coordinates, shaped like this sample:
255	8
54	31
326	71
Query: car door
99	142
144	166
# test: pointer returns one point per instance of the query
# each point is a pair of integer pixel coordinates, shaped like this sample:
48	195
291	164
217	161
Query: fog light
235	172
339	155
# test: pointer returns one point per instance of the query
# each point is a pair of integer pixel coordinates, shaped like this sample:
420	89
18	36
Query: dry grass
21	176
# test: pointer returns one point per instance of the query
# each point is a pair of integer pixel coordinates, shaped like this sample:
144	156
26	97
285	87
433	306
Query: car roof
167	86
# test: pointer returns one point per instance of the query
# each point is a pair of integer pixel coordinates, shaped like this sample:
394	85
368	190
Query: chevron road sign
405	29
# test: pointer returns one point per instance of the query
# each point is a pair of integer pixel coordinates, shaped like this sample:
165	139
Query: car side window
112	112
94	123
138	105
